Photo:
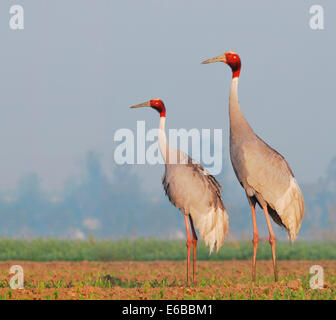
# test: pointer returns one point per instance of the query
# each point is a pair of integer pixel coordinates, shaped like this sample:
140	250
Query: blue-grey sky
67	80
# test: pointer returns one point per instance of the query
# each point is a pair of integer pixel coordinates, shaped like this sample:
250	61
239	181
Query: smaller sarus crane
263	172
193	190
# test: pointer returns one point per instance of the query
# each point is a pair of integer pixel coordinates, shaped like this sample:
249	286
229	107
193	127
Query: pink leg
188	248
255	242
194	241
272	242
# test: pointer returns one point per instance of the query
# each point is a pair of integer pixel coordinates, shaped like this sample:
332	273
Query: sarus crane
193	190
262	171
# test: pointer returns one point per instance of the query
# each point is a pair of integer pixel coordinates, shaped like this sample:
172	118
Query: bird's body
262	171
193	190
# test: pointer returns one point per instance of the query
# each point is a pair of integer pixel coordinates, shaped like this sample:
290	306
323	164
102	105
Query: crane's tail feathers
213	227
291	209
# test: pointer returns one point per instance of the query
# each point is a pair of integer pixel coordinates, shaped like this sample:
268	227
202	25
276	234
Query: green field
154	249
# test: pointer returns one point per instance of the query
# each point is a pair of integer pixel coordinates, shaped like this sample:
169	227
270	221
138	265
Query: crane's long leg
272	239
188	248
255	240
194	242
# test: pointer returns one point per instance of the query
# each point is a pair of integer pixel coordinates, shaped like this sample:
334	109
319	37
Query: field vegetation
154	249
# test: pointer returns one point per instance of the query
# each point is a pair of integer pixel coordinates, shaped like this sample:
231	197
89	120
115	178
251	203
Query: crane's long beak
220	58
145	104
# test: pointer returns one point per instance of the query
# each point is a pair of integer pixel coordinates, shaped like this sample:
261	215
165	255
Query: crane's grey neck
239	127
169	154
163	144
166	151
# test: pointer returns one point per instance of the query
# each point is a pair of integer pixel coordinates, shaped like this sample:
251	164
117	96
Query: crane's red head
230	58
159	106
156	104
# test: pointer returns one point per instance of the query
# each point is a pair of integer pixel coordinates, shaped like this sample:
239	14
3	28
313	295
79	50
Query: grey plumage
193	190
263	172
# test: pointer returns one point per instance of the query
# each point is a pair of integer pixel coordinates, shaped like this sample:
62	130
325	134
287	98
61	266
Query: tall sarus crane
262	171
193	190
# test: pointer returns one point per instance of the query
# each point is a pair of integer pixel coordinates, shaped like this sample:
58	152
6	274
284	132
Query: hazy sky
67	80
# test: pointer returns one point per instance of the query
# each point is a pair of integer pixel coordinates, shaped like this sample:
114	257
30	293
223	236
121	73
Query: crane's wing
194	191
268	173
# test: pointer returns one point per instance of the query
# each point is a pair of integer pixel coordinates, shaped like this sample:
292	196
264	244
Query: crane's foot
272	243
254	259
255	239
188	248
194	242
188	261
253	274
275	273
